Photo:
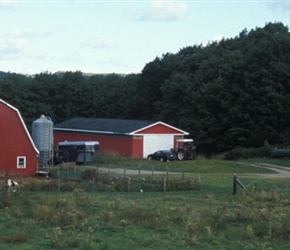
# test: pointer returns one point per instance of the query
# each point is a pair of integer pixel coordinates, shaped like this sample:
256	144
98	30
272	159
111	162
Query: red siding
122	145
159	129
15	142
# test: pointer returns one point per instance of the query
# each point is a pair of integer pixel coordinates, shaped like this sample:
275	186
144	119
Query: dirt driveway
281	172
120	171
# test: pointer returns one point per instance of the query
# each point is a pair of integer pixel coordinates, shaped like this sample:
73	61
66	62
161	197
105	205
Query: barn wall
137	147
122	145
14	143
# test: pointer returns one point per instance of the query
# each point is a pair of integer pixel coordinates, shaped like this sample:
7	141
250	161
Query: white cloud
284	5
27	35
163	11
8	4
218	38
100	43
15	42
12	47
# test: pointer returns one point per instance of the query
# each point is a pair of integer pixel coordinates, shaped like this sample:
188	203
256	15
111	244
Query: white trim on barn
154	142
84	131
162	123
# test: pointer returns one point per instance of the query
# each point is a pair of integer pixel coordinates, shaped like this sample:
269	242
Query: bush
245	153
68	186
181	185
93	173
153	186
16	238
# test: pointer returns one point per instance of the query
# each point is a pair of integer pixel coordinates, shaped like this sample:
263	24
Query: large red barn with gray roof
131	138
18	152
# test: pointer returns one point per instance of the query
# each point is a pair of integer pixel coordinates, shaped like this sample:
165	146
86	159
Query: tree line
227	94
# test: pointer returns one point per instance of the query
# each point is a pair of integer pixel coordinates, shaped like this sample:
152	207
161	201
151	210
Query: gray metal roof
117	126
108	126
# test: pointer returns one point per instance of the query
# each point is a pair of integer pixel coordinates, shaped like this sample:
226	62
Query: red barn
132	138
18	152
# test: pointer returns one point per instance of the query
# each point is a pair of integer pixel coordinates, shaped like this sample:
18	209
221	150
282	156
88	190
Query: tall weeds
84	220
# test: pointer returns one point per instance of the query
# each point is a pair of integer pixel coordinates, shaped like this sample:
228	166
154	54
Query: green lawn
196	166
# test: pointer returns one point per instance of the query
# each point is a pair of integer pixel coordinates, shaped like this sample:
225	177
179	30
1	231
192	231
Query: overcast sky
118	36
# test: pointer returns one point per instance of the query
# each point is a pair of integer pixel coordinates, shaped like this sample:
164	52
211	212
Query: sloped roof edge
23	124
162	123
110	126
89	131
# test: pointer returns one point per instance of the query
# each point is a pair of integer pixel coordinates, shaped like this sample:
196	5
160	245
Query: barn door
152	143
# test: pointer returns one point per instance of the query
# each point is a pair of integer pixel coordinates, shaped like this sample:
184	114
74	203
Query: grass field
209	218
197	166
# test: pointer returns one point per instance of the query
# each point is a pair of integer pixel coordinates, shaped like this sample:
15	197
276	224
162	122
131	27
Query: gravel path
281	172
120	171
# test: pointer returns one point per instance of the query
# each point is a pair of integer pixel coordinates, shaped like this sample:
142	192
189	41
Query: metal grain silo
42	135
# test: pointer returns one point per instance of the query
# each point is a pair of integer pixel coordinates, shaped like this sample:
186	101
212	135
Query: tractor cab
184	143
185	149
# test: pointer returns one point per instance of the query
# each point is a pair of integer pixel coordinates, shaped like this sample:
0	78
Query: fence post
152	172
124	171
129	184
93	183
183	175
58	175
164	184
139	170
167	173
109	171
235	184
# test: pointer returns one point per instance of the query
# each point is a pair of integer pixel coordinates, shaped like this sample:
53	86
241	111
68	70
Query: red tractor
185	149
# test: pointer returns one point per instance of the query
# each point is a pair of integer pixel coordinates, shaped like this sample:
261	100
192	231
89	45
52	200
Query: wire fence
120	178
256	183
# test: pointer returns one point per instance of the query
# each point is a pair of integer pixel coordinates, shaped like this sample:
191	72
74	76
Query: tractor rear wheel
192	155
181	155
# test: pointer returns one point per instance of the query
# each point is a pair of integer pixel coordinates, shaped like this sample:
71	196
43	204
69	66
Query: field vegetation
207	217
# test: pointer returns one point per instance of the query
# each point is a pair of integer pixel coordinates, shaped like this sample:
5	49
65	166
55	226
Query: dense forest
227	94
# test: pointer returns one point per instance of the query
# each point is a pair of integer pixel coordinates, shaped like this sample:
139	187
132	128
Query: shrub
16	238
93	173
245	153
180	185
68	186
101	186
153	186
6	199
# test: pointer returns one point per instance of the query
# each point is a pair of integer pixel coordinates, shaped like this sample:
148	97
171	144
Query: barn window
21	162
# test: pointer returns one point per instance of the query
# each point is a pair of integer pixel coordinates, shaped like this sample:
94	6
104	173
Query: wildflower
122	223
249	232
215	242
91	230
249	229
208	229
113	186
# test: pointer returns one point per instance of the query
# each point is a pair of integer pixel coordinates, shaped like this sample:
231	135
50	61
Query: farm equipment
185	149
280	153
